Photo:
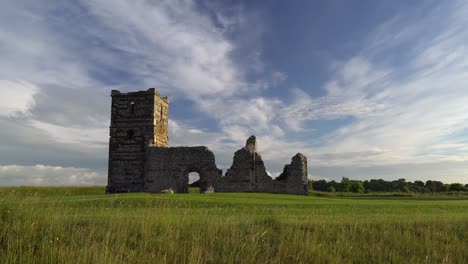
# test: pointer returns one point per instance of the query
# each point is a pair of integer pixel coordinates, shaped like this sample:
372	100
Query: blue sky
365	89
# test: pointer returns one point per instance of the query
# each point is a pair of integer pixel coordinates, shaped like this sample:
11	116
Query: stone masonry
168	168
248	174
138	120
141	161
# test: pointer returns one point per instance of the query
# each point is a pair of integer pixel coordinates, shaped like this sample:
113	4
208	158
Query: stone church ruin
141	161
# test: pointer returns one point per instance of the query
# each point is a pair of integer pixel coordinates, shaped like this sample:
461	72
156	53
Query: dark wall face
136	109
168	168
132	128
139	159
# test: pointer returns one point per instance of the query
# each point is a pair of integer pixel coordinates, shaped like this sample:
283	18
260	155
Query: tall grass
82	225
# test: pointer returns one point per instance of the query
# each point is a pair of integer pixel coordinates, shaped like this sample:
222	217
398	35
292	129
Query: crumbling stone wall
293	180
139	159
248	174
168	168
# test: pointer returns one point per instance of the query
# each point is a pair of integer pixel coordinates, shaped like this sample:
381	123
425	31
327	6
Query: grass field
83	225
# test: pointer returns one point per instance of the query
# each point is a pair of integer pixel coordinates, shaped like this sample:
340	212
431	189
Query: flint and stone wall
248	174
140	161
168	168
293	180
138	119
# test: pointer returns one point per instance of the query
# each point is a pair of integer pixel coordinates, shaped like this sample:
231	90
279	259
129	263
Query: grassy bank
82	225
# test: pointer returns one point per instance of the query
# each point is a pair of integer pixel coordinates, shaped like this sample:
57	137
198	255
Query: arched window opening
132	108
130	134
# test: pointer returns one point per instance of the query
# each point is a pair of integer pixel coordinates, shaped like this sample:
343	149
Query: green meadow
84	225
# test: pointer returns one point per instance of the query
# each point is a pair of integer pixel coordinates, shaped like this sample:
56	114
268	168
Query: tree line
401	185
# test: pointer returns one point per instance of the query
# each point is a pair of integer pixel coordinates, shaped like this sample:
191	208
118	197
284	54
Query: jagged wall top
149	91
251	144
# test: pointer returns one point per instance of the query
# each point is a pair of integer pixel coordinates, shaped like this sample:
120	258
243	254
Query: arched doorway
169	168
194	182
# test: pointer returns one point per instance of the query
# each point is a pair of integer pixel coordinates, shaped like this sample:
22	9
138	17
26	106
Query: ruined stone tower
138	120
141	161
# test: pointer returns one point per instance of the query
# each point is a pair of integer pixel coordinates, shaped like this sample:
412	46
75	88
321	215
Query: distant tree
310	184
430	186
419	183
195	184
366	185
345	185
334	184
331	189
400	185
378	186
320	185
418	187
357	187
445	188
434	186
456	187
405	189
373	185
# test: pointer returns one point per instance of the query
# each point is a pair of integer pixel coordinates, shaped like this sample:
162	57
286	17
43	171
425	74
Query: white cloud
17	97
91	137
186	55
41	175
257	113
400	110
171	44
59	69
58	78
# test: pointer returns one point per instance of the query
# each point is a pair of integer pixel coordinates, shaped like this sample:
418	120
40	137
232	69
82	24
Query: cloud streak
401	99
41	175
400	109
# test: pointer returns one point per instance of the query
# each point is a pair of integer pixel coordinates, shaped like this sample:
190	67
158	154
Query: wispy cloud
401	106
17	97
41	175
171	44
59	63
403	95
